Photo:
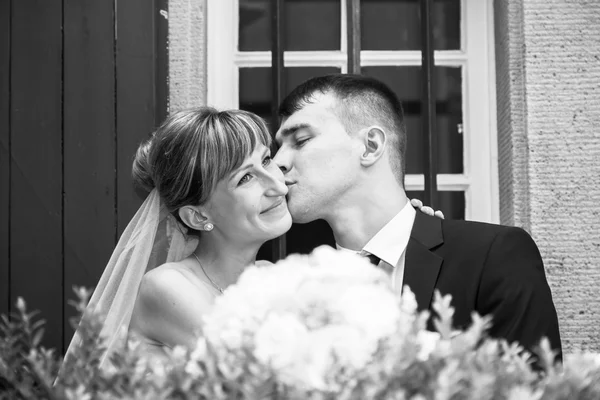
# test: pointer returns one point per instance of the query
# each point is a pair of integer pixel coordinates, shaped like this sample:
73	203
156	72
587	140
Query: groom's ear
193	216
374	140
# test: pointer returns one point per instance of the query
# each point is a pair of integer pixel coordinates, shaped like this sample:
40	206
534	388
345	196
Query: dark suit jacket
490	269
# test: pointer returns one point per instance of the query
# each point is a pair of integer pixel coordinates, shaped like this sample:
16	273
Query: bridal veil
152	238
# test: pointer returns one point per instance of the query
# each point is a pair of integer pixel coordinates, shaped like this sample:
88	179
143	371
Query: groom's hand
426	209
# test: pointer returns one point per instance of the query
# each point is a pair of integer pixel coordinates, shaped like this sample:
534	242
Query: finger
427	210
416	203
439	214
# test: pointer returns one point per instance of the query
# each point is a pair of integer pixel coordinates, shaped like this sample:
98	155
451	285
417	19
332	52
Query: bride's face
249	205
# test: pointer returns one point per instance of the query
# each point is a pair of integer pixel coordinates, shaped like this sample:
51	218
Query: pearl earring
208	227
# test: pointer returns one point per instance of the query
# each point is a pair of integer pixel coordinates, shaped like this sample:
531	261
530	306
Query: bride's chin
279	227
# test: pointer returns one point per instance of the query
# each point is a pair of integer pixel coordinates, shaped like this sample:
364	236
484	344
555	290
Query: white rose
281	342
373	308
347	266
343	343
228	334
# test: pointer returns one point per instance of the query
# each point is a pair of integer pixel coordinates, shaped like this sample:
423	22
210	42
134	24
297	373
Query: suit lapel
422	266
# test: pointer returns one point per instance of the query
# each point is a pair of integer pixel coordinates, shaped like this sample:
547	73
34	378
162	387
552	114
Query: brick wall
548	88
187	53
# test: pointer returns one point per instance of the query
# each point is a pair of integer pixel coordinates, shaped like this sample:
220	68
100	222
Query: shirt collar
345	250
390	242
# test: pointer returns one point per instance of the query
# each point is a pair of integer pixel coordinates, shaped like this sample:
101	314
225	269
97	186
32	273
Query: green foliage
27	371
459	365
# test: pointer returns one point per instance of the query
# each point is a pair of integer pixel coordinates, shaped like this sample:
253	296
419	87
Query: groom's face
319	159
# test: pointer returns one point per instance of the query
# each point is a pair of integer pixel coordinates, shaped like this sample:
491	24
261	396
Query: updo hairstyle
193	150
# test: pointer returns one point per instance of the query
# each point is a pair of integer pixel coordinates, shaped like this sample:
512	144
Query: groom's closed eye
301	141
290	131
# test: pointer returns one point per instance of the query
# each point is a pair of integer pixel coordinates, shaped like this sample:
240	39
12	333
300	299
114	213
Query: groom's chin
302	212
301	218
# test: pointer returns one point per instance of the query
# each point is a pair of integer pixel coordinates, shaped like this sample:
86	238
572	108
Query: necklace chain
205	274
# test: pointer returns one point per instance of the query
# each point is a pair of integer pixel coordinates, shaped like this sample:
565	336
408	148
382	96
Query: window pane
406	83
396	24
309	25
255	86
451	203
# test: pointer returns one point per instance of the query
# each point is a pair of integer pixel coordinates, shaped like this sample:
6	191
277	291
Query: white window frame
479	180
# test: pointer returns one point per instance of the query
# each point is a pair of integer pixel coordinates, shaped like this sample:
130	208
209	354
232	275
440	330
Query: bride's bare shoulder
168	290
168	270
171	279
169	306
163	278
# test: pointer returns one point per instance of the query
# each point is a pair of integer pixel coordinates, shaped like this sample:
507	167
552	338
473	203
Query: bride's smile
275	206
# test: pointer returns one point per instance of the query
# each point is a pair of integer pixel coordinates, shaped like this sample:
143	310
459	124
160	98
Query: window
239	61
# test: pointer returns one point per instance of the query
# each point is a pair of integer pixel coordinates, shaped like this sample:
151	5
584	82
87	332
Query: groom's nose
282	160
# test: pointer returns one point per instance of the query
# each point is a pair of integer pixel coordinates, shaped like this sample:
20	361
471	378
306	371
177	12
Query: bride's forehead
257	154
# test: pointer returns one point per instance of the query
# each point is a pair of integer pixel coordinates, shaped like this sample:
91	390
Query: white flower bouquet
326	323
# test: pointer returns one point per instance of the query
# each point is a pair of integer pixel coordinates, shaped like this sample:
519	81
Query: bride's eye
245	179
267	161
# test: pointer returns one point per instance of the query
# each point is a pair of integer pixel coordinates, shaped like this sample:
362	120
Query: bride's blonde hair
193	150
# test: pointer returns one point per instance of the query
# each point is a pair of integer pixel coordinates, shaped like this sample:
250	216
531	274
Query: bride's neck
223	261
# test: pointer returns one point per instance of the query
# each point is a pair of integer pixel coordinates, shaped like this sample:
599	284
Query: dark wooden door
82	82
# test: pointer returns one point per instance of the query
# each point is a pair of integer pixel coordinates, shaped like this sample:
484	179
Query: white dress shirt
389	244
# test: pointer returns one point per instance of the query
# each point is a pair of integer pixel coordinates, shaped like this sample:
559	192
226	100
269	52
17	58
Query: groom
342	149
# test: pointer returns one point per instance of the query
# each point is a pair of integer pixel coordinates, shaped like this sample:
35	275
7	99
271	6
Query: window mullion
353	35
428	115
279	249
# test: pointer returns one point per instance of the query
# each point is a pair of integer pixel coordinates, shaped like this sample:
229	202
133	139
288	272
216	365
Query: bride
215	198
214	172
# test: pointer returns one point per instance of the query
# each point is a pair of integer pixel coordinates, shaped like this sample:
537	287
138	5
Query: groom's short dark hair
363	101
